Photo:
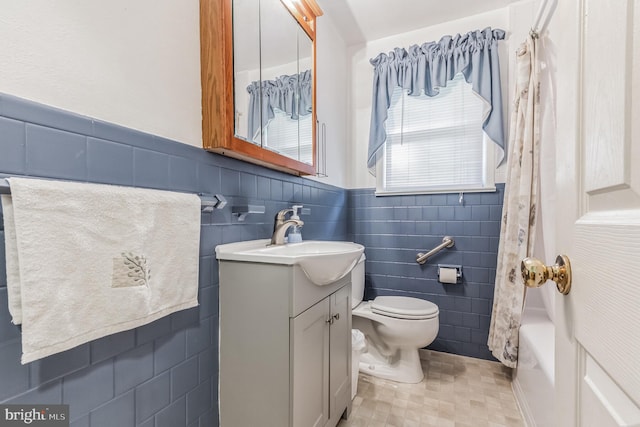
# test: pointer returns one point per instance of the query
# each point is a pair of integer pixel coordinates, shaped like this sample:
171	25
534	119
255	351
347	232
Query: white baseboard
523	406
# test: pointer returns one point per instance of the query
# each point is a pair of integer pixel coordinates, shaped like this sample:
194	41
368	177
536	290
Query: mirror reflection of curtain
428	67
291	94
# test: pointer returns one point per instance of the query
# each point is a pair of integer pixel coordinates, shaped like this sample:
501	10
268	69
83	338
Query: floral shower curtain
519	217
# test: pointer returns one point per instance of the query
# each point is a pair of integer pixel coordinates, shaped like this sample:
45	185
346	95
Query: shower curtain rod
539	25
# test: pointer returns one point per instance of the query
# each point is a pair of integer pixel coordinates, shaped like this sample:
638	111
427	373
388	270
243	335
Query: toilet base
403	367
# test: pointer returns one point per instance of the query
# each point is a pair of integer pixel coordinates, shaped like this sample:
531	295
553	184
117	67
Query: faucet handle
281	214
279	219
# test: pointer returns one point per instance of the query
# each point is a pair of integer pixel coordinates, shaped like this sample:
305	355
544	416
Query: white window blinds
435	143
282	133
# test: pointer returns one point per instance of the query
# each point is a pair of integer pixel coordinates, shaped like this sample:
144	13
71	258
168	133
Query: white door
598	192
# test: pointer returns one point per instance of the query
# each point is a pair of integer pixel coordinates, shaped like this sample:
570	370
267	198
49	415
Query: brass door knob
535	273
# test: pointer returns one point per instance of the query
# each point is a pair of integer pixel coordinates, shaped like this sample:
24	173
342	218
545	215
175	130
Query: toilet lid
404	307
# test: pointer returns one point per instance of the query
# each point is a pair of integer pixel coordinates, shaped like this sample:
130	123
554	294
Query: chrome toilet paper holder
458	269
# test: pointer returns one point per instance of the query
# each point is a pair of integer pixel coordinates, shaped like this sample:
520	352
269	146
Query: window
436	144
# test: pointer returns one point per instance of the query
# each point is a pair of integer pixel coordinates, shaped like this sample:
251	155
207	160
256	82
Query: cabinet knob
333	318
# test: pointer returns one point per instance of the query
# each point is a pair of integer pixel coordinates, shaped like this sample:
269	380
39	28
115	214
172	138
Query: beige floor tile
460	417
444	422
515	422
413	415
384	407
496	417
395	420
397	411
380	416
354	421
368	405
456	392
400	403
430	402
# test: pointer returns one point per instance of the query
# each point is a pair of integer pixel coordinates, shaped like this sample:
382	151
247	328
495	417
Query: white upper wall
362	80
134	63
137	64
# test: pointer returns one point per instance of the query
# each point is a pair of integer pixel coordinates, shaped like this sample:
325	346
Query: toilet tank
357	282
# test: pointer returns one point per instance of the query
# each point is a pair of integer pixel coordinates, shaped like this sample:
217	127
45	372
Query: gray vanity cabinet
285	347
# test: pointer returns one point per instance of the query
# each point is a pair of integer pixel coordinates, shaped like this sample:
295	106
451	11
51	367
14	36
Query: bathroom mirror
246	62
269	115
273	61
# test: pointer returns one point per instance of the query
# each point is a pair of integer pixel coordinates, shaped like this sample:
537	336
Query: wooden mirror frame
216	56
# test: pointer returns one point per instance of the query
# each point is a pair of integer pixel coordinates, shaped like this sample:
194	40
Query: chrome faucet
281	229
280	226
279	220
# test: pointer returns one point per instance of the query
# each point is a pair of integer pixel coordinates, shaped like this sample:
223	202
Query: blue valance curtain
426	68
291	94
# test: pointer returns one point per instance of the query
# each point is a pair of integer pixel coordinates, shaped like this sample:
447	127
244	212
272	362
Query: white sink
323	262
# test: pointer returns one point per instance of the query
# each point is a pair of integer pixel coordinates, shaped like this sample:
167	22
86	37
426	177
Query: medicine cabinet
258	81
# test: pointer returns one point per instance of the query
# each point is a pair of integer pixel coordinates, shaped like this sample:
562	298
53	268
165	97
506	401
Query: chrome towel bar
209	201
4	187
447	242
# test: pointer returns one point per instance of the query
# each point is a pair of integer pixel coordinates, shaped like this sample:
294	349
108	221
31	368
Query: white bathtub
533	383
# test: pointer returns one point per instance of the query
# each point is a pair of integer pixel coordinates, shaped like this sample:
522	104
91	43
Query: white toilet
395	328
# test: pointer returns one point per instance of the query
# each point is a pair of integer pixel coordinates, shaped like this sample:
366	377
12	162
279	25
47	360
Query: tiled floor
456	392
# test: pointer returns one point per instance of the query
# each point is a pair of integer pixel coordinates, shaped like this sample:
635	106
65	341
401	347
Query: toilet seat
404	307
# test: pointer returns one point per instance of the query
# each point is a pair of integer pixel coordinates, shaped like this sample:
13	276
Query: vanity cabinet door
310	365
340	353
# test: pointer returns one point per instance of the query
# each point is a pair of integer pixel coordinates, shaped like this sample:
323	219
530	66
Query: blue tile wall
395	228
164	373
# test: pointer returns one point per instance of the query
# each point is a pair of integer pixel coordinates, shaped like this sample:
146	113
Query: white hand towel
88	260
